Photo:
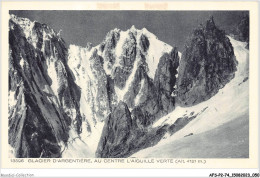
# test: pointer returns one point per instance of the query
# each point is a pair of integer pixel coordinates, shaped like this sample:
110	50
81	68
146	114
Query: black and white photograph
129	89
128	84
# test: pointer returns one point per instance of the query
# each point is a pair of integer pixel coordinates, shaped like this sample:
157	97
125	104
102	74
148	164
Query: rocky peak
89	46
49	95
241	31
35	32
208	63
210	24
112	37
133	28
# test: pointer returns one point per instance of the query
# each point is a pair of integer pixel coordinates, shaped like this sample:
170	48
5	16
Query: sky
172	27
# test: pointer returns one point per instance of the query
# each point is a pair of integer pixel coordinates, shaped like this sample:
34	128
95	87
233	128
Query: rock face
241	31
116	132
165	80
148	98
43	98
207	64
125	133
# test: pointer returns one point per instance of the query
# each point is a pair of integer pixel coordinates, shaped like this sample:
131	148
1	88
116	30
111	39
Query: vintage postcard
129	85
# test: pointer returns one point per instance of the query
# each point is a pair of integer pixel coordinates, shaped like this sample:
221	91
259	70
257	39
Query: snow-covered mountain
116	98
226	112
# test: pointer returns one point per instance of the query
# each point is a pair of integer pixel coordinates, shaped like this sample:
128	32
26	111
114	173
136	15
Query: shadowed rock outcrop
208	64
116	132
241	31
43	99
165	80
125	133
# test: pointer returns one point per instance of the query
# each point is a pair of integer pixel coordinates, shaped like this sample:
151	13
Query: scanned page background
211	163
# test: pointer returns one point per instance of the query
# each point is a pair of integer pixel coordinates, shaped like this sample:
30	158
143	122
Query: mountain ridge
86	89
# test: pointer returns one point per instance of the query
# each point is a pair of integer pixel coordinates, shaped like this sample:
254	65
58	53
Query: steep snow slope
231	103
229	140
94	107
